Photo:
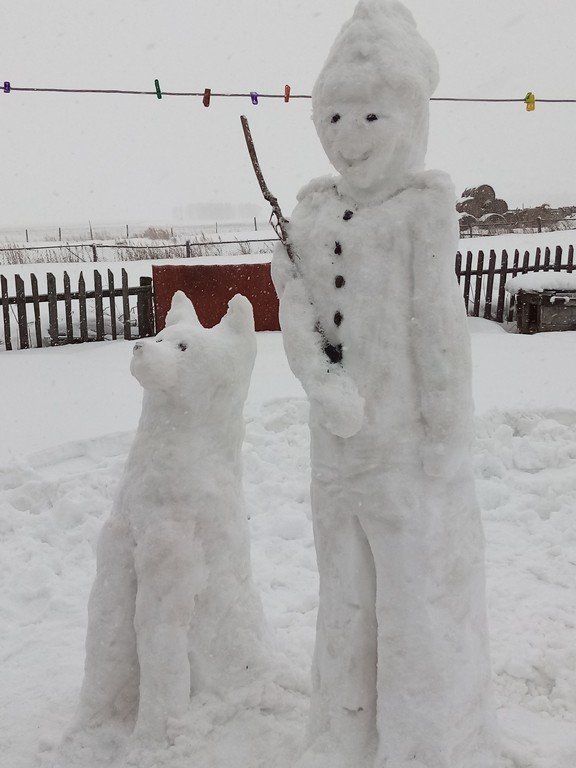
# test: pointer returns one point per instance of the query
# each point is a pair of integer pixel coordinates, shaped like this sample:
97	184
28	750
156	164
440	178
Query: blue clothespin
254	97
6	86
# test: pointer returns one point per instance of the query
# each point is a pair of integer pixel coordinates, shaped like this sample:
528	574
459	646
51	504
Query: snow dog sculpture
374	328
173	610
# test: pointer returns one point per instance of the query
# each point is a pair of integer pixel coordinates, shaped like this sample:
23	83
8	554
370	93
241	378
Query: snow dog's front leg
110	689
169	571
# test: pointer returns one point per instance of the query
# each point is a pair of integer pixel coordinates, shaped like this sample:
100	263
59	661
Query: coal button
339	281
333	353
348	215
337	318
338	249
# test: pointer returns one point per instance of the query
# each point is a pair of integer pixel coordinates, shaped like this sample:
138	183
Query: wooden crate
550	310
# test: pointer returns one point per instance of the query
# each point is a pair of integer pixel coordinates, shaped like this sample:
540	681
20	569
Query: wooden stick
282	231
281	221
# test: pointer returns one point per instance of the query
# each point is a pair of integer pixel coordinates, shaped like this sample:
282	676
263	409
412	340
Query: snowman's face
370	134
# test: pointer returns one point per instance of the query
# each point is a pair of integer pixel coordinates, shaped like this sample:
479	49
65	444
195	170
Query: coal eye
371	117
159	340
335	118
183	346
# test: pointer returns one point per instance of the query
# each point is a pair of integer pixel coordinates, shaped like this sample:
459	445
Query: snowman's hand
442	461
339	405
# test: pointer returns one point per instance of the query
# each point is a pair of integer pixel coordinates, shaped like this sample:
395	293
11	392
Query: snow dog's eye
159	340
371	117
335	118
183	346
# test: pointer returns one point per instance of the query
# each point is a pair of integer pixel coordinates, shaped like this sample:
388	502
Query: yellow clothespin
530	101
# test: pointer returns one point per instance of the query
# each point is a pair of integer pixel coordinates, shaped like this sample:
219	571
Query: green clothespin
158	91
530	102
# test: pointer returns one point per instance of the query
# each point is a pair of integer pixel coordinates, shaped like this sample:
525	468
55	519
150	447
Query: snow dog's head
199	366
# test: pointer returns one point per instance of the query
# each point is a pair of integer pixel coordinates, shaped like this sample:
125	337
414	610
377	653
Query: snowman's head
370	102
198	367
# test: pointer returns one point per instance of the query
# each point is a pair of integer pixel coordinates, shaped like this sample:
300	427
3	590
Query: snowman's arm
302	342
440	339
327	384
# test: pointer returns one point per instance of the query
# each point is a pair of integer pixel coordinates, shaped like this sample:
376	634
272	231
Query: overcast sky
68	158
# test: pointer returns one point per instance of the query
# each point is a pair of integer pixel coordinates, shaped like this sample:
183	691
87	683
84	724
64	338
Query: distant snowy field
68	414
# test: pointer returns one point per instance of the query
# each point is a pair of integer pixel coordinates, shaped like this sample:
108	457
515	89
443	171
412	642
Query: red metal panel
211	287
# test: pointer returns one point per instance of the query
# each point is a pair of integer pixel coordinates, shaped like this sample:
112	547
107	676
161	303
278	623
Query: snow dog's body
172	610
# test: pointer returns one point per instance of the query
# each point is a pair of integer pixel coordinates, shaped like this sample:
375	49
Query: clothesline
207	95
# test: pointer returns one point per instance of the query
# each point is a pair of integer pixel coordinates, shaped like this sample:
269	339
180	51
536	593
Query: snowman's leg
431	677
415	716
342	718
168	570
110	687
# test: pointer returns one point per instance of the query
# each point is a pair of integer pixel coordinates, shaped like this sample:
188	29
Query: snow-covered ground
68	414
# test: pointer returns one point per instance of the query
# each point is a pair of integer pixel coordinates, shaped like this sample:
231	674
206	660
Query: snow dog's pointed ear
182	311
240	316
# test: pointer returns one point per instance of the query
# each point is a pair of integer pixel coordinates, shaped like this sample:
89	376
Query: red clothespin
207	97
6	86
254	97
286	93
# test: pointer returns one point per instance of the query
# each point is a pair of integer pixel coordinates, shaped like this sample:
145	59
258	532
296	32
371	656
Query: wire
122	92
129	246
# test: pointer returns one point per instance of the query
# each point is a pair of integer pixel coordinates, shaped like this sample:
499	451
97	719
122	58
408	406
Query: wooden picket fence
77	326
483	278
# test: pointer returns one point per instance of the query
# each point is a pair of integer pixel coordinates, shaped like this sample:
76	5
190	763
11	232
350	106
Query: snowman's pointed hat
380	43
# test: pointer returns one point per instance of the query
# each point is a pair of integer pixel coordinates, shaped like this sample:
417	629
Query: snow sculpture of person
173	610
374	327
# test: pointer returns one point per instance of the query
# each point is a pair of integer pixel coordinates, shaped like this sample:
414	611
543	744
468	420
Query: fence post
126	306
145	308
502	288
558	259
98	306
188	249
112	297
21	309
36	303
255	225
27	237
490	285
68	309
467	278
478	285
94	252
458	266
6	313
52	308
127	232
512	302
60	234
539	224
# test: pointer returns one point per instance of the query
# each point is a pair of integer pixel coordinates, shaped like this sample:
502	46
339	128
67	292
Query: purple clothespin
254	97
6	86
